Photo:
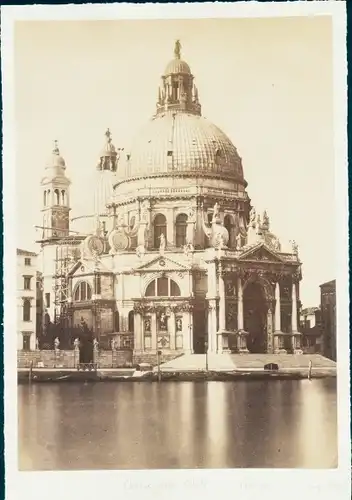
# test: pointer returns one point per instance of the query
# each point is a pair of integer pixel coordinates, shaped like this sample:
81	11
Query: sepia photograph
177	277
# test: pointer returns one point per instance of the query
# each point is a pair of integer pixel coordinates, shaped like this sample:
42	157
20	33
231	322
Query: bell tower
55	197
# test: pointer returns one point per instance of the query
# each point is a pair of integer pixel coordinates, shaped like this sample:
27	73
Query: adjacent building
173	254
328	318
26	299
311	330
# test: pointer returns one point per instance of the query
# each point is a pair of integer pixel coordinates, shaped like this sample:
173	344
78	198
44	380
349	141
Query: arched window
131	321
63	197
159	229
181	230
163	287
57	197
26	310
44	198
210	218
150	291
228	223
83	292
132	222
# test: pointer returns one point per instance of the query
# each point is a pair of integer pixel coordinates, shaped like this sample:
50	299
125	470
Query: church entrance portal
199	332
255	317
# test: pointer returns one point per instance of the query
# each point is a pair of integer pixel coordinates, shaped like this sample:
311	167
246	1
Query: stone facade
26	299
178	261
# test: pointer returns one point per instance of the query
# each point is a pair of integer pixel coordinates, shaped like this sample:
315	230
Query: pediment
87	267
162	263
260	253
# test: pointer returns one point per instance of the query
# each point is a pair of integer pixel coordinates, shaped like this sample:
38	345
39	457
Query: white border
248	483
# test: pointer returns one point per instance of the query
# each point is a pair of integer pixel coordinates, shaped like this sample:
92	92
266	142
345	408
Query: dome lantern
177	92
108	157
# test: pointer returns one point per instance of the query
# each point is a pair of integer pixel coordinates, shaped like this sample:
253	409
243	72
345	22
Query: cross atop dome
56	150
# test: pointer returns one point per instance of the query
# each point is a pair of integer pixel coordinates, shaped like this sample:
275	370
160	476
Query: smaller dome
177	66
109	148
56	161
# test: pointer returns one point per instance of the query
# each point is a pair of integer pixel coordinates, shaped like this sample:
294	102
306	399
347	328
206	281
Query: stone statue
179	324
76	344
216	211
266	220
188	248
113	344
277	245
95	345
252	216
220	241
177	49
140	251
238	241
37	344
162	321
57	343
162	243
294	248
147	325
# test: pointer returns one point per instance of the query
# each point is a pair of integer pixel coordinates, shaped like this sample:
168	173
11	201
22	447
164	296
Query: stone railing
70	359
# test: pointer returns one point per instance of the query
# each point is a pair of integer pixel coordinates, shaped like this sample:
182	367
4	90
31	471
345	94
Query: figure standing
162	243
57	343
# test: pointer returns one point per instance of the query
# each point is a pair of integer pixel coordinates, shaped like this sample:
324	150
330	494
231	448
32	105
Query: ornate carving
230	288
118	241
191	213
94	245
231	316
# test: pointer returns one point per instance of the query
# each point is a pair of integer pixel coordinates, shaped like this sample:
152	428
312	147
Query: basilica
173	257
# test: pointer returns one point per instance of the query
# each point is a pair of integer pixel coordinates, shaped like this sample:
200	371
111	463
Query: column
294	309
222	312
170	228
153	328
277	308
294	339
188	332
222	303
172	330
138	332
269	328
190	232
240	325
211	281
212	325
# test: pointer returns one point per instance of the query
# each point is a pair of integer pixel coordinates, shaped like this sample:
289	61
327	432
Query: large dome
182	143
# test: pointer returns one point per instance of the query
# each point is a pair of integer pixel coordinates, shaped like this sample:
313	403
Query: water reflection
178	425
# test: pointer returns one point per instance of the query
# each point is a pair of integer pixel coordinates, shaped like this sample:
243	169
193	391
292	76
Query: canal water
142	425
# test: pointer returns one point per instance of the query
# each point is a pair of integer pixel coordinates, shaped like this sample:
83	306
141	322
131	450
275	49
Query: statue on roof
56	147
177	49
266	220
216	212
108	135
252	216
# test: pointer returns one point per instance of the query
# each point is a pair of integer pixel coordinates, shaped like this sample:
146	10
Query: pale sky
267	83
